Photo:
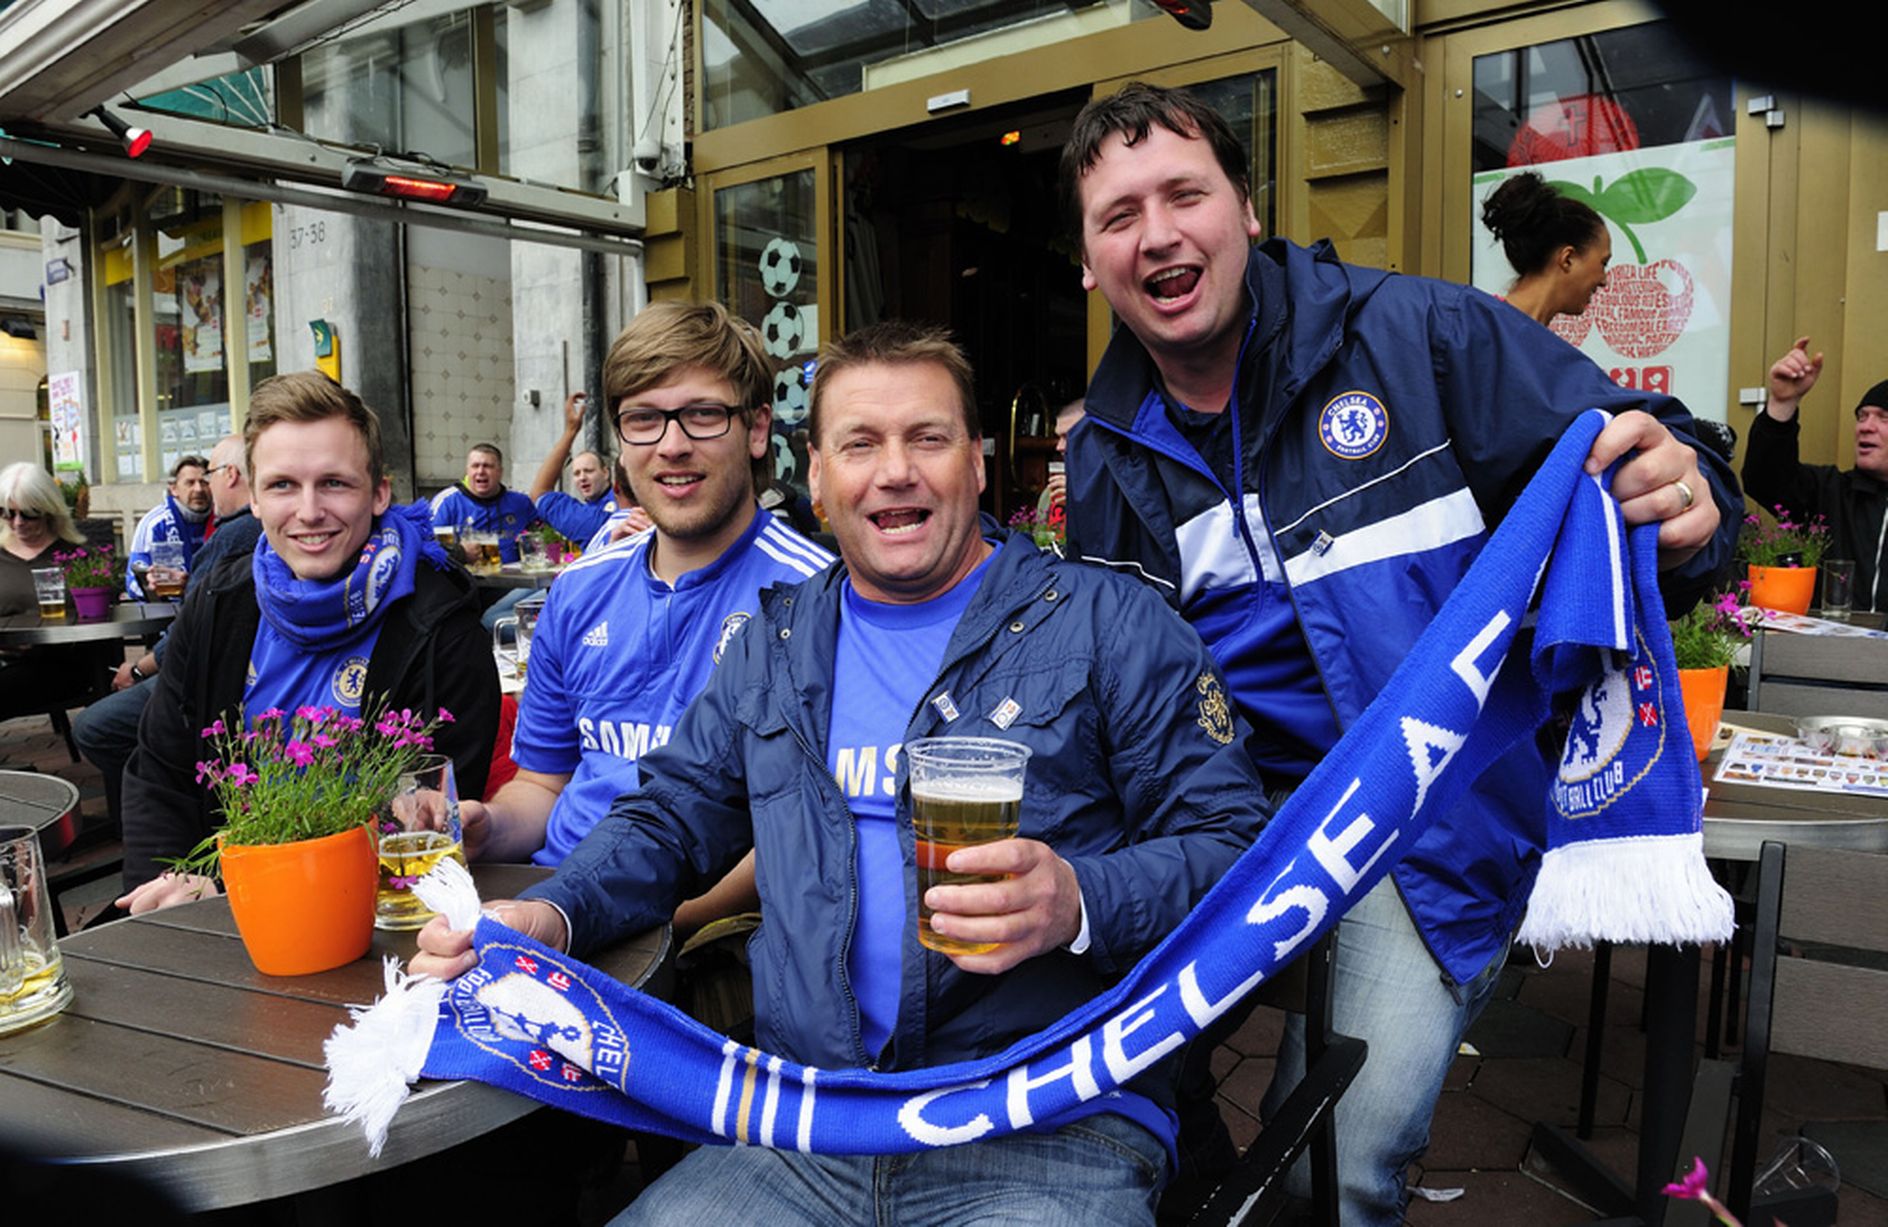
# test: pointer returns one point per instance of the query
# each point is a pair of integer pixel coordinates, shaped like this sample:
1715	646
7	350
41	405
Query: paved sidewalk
1525	1066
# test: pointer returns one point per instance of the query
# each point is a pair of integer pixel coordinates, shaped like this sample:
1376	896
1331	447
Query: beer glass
481	551
167	574
33	983
420	830
522	622
965	791
533	554
49	585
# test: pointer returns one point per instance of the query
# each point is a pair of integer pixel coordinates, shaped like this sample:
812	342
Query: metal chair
1818	988
1815	675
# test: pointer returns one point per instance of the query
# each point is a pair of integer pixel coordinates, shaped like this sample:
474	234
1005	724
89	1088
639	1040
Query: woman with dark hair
1559	246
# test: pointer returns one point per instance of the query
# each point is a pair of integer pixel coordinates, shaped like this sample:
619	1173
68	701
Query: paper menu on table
1803	624
1783	762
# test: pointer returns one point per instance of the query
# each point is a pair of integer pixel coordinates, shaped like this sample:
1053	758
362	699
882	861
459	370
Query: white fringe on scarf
372	1062
1635	890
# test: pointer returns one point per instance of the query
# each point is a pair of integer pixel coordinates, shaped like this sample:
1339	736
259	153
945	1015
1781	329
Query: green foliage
1711	633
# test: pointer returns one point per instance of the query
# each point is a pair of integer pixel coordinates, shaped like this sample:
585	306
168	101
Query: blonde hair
27	487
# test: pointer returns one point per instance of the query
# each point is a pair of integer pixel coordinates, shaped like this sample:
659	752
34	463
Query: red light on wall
1193	14
1009	138
365	177
134	140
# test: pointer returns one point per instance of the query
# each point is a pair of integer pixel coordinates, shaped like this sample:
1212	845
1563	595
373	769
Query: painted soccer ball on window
779	267
783	330
789	398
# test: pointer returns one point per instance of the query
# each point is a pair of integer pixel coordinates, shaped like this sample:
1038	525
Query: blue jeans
107	732
1101	1170
502	606
1390	993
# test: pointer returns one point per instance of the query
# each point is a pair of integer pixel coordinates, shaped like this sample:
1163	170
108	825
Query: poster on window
200	308
65	397
1662	321
258	305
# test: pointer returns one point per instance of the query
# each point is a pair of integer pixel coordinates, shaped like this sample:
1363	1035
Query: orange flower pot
303	907
1702	693
1785	589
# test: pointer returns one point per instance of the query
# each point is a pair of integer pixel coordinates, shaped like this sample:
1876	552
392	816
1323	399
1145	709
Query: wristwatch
137	674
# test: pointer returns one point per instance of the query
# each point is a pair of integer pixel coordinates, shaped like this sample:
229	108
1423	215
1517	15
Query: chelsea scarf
1624	863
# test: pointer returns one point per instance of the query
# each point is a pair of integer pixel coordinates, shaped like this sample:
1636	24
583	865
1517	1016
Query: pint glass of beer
420	830
964	791
167	574
49	586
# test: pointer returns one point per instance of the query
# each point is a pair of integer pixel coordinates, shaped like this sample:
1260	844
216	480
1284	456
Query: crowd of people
1281	468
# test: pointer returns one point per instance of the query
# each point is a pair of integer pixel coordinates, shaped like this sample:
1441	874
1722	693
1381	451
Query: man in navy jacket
1303	458
1138	797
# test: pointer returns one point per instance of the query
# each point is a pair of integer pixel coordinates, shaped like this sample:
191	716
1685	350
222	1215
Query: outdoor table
179	1064
511	575
46	803
128	620
1737	821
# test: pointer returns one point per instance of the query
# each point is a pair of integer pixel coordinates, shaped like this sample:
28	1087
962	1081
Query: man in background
1855	501
579	515
480	501
107	731
182	517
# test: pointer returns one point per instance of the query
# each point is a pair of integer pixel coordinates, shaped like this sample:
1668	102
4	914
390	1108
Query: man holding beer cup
179	520
1137	796
481	502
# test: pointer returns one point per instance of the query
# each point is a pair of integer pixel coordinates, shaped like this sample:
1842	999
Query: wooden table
178	1063
128	620
1738	818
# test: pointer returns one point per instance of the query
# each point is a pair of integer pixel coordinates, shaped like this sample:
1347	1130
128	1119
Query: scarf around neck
319	615
1624	863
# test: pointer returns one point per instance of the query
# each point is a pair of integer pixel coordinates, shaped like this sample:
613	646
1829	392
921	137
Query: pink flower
243	775
298	753
274	713
208	772
1694	1187
445	717
216	730
306	712
322	741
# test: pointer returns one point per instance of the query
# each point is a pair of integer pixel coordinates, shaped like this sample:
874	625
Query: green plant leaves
1651	194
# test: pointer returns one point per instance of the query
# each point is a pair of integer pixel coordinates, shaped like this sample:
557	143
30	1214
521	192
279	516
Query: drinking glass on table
420	830
481	551
167	575
522	622
1838	588
49	585
533	554
33	982
965	791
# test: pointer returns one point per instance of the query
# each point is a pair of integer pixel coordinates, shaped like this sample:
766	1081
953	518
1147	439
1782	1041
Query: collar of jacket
1306	297
802	626
489	500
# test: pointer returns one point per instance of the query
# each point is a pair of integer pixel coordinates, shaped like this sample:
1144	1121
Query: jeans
505	604
1100	1170
107	733
1388	992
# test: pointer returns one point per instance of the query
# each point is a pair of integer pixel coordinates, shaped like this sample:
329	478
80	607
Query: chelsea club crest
350	681
1353	425
730	627
1615	735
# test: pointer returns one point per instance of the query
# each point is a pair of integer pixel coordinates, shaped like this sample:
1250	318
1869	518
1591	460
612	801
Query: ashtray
1855	735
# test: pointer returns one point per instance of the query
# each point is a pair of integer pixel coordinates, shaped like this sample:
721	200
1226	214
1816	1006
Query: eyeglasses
216	468
645	427
28	517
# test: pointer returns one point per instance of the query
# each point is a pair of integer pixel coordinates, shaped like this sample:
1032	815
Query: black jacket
431	653
1854	503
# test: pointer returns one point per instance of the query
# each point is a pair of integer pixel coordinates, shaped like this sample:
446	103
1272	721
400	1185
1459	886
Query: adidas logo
599	635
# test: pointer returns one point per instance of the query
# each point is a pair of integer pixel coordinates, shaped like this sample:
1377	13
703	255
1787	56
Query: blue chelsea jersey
618	654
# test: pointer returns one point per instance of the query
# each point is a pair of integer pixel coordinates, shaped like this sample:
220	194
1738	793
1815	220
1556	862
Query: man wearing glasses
630	634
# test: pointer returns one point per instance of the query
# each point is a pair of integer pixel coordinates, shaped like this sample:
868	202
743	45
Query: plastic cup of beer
167	574
965	791
33	984
49	585
533	554
420	829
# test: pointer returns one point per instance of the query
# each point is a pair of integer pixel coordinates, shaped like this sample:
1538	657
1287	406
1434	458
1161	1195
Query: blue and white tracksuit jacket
1385	424
1138	780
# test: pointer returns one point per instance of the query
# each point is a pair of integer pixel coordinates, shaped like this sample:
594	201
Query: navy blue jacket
1138	780
1386	423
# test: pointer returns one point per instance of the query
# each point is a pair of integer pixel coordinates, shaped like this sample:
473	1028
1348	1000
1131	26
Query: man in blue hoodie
1303	457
